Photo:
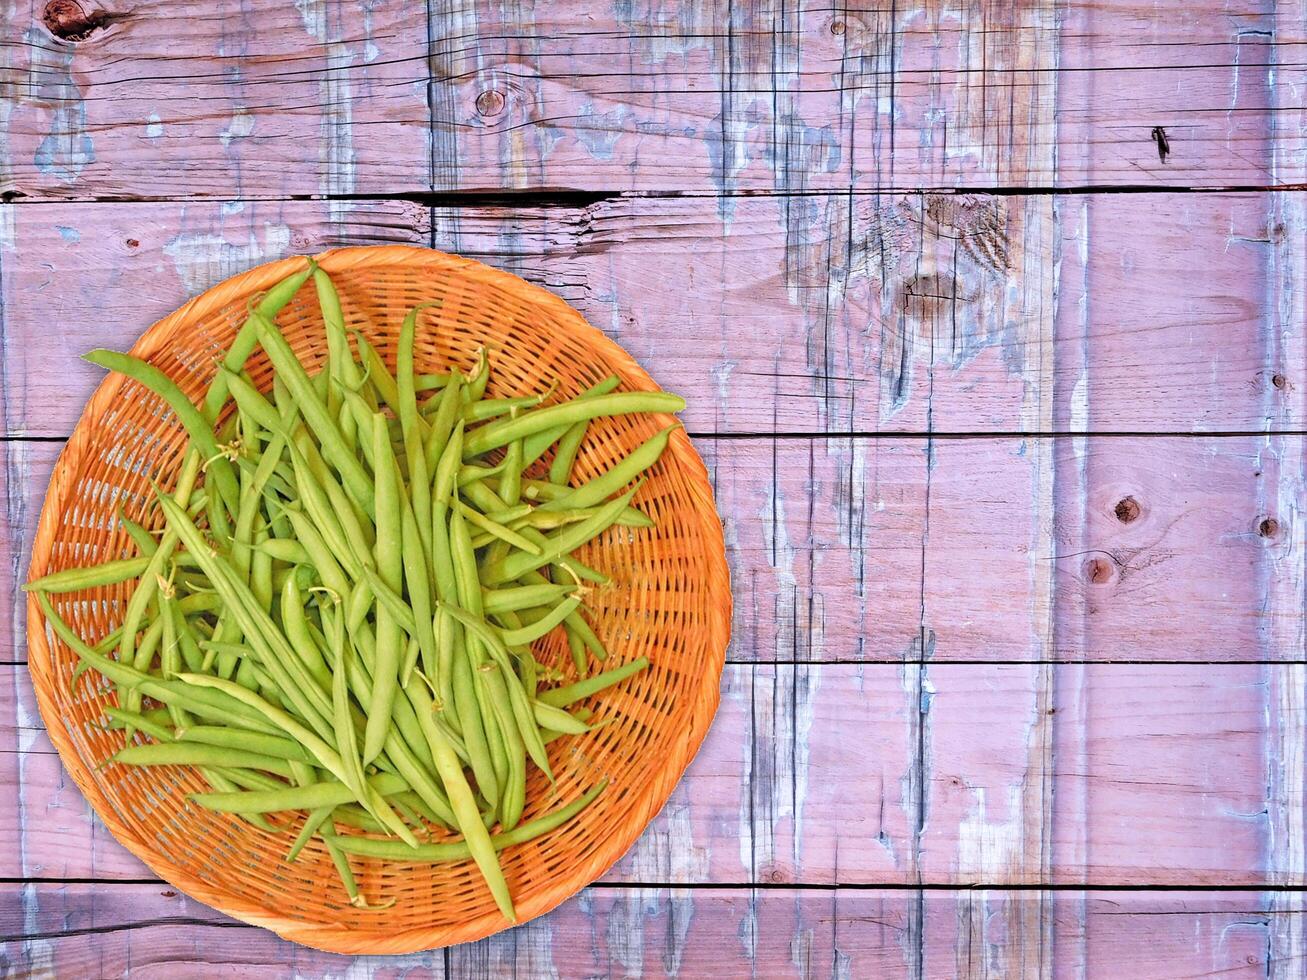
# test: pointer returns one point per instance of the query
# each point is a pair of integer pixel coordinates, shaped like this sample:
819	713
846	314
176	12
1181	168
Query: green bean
295	623
142	538
261	574
497	530
327	793
346	738
444	422
521	710
467	816
217	778
312	823
284	549
412	425
315	413
545	493
276	746
485	499
197	427
446	633
187	642
476	385
385	676
140	721
513	598
491	408
414	552
576	647
533	632
199	754
513	747
459	850
141	599
220	707
560	468
534	446
615	478
242	346
317	747
561	697
267	640
401	746
378	374
557	720
474	720
559	544
90	577
502	432
430	382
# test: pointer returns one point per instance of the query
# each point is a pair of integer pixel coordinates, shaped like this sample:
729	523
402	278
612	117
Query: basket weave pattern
669	601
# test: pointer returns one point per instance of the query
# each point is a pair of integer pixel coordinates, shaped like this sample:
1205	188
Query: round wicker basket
669	600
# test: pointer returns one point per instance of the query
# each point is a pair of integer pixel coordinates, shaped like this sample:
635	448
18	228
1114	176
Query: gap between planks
581	198
799	886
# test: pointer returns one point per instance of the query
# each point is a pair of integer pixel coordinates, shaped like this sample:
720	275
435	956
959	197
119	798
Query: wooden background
991	318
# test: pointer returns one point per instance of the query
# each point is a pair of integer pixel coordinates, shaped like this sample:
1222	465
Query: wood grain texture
198	99
108	930
827	313
904	550
339	98
1134	775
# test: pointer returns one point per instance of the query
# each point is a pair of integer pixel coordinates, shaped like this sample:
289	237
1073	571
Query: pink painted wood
880	549
107	930
960	774
336	98
1019	596
903	313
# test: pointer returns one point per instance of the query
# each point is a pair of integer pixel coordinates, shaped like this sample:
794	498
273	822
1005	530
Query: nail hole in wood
490	103
65	19
837	27
1127	510
1268	527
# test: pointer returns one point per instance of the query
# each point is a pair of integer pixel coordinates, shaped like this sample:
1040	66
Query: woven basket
670	601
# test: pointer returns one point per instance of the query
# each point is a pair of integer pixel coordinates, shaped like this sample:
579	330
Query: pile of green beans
335	614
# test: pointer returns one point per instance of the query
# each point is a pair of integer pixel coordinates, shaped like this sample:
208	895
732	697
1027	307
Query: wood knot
1279	380
490	103
133	243
837	27
65	19
1098	571
1268	527
1126	510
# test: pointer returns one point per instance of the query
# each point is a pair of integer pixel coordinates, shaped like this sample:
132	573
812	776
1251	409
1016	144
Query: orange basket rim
646	802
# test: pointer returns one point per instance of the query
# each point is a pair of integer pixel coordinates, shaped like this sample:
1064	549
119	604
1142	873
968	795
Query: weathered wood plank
1157	774
200	99
340	97
107	929
903	313
718	825
1154	548
1161	936
797	96
152	258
